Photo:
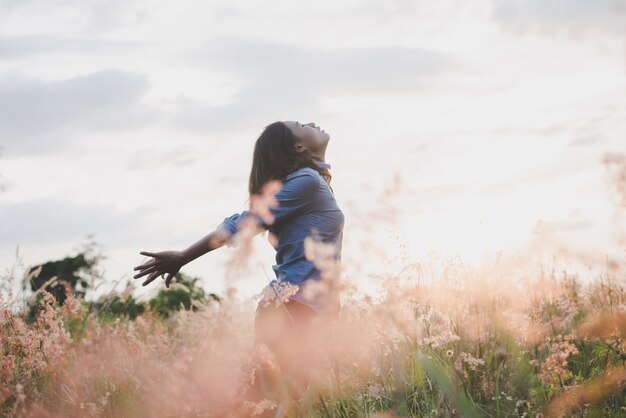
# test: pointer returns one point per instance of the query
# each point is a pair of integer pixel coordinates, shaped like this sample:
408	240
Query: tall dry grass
511	338
485	348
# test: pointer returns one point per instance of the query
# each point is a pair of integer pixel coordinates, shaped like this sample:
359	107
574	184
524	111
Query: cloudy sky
457	127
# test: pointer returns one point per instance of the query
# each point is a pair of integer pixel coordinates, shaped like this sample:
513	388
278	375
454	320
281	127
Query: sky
459	128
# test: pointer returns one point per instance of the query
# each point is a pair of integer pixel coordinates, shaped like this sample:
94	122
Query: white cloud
387	70
43	117
95	16
575	18
52	220
283	79
19	47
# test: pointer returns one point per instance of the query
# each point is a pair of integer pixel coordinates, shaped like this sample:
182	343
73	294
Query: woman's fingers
149	254
146	271
168	279
146	265
165	264
151	278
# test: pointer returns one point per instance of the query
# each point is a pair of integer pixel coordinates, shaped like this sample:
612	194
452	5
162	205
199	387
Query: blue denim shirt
306	207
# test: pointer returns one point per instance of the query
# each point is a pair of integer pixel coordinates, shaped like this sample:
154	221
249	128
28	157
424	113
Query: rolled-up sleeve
293	199
230	224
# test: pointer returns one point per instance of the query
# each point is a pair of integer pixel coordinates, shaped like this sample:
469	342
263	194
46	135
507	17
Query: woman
289	317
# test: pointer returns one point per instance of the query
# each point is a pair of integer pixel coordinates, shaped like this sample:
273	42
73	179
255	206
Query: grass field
472	343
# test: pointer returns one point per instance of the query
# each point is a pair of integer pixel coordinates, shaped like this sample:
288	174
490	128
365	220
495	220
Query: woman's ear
300	147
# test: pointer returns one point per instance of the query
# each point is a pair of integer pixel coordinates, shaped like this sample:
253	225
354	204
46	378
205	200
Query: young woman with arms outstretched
294	154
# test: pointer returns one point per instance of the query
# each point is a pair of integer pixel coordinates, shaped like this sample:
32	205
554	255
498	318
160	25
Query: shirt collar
322	164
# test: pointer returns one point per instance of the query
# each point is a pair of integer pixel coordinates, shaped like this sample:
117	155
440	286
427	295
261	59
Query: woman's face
309	136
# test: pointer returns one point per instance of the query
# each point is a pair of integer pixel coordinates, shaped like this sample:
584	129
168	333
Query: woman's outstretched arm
168	263
293	198
210	242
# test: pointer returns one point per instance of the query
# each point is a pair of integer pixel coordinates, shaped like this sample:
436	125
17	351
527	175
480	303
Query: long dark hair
275	157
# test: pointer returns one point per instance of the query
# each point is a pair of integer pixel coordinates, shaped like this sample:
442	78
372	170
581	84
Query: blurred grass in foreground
471	347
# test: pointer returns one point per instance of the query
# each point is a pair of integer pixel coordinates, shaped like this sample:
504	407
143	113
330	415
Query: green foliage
115	306
68	270
184	294
52	275
76	325
442	377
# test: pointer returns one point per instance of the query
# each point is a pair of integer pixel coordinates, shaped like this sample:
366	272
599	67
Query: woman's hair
275	157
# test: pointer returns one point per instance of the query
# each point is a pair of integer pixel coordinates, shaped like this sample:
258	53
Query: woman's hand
164	263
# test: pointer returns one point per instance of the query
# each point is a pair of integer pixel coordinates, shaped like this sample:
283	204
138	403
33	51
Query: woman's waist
320	294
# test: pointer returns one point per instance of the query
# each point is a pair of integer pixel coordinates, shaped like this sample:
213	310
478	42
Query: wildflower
442	339
247	376
470	360
439	329
449	353
556	364
259	408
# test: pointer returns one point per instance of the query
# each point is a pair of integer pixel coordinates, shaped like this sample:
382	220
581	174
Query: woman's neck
320	157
